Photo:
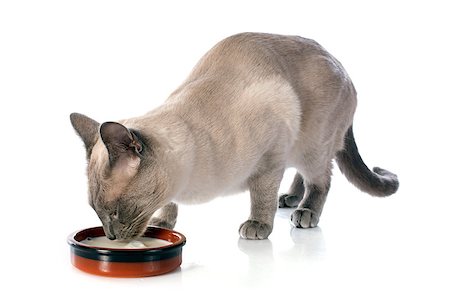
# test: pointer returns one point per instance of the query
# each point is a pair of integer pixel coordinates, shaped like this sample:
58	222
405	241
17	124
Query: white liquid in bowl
141	242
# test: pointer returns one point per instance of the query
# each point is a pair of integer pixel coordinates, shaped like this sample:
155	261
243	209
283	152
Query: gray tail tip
390	179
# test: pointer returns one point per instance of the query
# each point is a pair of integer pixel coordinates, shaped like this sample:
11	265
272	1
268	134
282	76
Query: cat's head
126	185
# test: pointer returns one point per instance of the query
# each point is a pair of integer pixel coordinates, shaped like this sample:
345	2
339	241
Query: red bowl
135	262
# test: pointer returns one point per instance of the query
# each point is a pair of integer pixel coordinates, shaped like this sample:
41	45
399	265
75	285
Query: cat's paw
254	230
288	201
304	218
158	222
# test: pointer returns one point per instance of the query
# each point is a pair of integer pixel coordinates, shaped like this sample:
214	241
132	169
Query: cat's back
263	79
258	55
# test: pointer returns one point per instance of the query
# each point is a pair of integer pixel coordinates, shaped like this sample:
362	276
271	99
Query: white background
116	59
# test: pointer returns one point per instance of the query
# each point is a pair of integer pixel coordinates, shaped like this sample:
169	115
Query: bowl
121	262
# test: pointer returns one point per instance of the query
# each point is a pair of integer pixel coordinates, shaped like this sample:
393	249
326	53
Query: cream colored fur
254	105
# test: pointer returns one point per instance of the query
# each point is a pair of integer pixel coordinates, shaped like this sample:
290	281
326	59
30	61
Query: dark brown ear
87	129
120	142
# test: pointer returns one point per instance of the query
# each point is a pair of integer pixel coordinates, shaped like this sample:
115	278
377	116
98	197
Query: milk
141	242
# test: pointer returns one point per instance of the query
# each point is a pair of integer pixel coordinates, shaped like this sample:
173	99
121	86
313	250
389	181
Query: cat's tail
379	182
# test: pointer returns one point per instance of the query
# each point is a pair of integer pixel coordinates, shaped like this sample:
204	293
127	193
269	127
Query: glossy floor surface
363	247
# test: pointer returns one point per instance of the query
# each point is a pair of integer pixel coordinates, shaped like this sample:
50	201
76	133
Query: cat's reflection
260	260
308	245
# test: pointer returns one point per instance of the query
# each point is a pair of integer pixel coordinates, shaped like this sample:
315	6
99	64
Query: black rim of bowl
125	255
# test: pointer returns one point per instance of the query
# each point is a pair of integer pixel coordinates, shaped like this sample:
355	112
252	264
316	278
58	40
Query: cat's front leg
263	195
166	217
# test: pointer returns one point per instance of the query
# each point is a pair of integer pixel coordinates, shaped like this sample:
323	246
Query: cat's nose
109	231
111	237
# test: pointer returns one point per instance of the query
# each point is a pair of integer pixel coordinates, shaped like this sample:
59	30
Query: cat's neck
171	143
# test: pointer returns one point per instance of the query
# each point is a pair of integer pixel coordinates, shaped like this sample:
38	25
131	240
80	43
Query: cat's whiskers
138	220
130	230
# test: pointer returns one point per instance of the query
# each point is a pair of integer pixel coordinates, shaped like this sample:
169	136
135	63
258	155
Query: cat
254	105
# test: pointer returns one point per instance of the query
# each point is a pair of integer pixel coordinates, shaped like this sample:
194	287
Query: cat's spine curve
379	182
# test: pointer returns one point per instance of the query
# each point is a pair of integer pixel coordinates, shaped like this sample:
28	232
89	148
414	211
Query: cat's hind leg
295	194
165	217
310	207
263	196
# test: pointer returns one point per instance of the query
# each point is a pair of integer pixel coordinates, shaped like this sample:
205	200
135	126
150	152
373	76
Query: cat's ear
122	144
87	129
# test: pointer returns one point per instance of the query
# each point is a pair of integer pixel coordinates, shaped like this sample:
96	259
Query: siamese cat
254	105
